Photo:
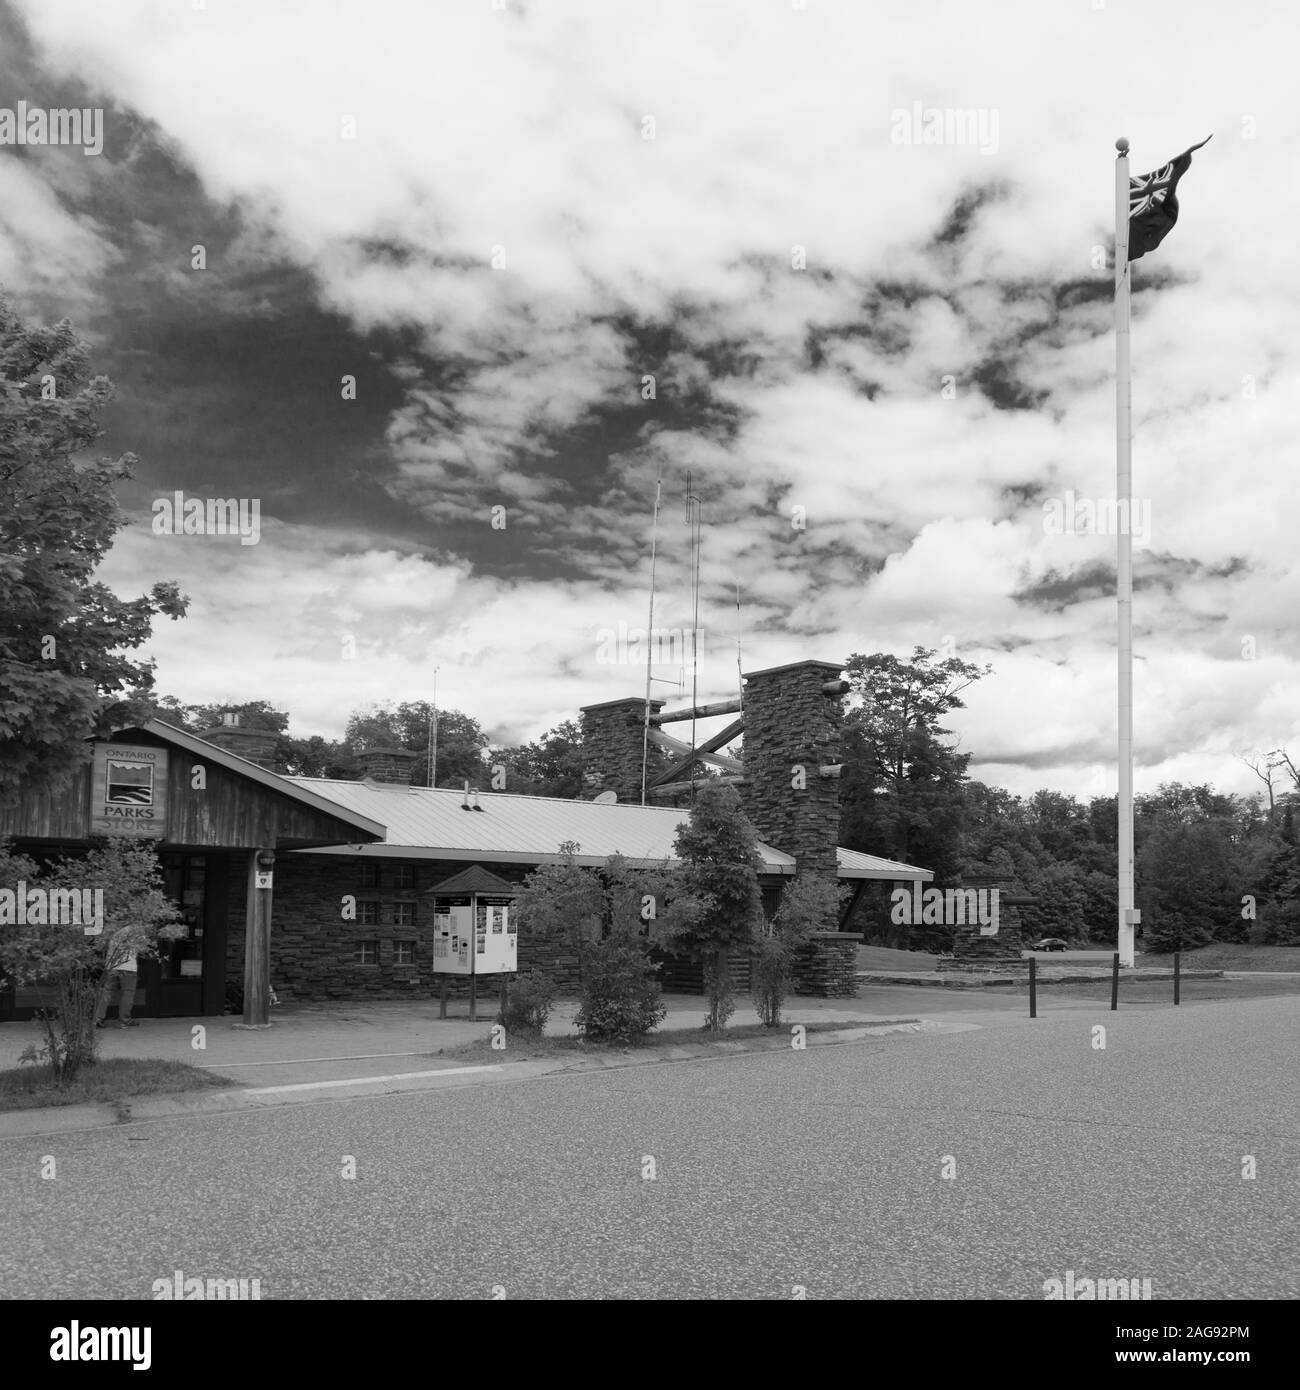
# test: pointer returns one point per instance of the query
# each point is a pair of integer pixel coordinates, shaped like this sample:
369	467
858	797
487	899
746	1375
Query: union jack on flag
1153	204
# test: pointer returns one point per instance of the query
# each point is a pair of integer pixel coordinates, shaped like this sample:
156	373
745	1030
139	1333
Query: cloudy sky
877	358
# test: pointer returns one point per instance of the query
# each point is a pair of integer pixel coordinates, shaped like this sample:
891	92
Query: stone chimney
257	745
793	720
387	765
613	736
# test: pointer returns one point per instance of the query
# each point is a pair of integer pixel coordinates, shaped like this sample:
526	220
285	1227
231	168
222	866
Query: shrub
66	962
620	994
807	904
717	904
529	997
1282	924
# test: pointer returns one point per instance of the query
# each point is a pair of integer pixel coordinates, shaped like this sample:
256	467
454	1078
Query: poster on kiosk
474	935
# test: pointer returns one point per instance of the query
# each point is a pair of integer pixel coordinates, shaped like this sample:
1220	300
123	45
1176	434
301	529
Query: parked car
1050	943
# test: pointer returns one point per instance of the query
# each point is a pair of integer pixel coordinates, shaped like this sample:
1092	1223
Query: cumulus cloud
505	221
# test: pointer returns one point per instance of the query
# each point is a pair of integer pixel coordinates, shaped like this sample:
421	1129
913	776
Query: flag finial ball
1122	144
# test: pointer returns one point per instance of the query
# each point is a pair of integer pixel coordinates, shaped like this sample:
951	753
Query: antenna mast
693	520
649	645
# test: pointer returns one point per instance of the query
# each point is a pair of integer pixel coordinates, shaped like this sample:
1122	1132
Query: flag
1153	204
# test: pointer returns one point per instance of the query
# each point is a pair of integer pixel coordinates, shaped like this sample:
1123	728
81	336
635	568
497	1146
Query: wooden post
1033	987
1114	982
1177	982
257	943
442	996
504	981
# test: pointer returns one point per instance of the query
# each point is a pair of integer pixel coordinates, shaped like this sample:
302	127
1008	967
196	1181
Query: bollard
1114	982
1033	987
1177	954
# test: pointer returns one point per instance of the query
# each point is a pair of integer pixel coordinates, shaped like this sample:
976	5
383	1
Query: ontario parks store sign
128	790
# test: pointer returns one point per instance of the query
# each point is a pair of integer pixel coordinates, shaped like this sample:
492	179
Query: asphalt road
820	1169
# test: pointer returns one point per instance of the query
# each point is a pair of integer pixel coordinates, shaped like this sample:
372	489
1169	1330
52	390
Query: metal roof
432	823
299	789
854	864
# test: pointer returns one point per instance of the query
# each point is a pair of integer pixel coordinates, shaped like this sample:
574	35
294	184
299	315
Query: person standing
120	975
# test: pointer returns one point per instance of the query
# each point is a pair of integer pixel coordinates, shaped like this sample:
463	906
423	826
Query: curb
64	1119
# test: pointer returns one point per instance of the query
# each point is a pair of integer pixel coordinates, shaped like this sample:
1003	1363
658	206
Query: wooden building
211	814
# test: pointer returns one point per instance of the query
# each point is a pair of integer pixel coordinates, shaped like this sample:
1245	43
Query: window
367	953
368	876
404	878
403	952
368	914
403	914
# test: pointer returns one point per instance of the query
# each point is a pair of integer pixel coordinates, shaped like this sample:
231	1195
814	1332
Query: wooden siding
231	812
50	815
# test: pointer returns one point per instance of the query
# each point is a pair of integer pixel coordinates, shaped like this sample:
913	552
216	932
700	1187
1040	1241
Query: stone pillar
794	716
793	727
387	764
999	953
613	736
828	965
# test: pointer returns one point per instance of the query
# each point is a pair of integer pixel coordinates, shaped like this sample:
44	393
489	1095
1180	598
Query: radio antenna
649	645
693	519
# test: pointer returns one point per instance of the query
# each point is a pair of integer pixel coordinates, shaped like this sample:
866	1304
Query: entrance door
174	982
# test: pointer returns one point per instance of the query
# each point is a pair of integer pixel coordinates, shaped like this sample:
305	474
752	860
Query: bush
528	1003
773	962
808	904
620	994
67	961
1282	924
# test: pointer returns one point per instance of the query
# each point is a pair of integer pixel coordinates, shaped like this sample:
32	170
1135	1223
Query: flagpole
1124	549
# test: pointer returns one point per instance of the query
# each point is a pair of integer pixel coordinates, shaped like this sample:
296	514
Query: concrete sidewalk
322	1052
325	1042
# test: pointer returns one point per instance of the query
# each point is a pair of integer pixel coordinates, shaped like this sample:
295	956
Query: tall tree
904	784
717	903
552	766
1186	881
64	672
461	744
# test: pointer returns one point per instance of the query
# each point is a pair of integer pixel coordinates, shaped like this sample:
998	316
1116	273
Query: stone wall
973	952
313	950
828	966
613	738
